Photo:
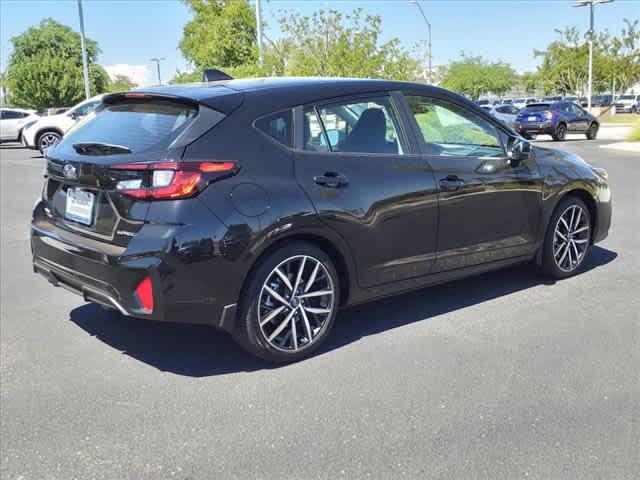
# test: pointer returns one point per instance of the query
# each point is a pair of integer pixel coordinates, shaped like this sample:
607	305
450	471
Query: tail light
171	180
547	114
144	294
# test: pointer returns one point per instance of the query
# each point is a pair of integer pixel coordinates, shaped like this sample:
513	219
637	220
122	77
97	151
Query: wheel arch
329	246
589	201
43	130
574	191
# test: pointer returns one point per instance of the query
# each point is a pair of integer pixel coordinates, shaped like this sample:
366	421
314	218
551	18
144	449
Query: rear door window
138	125
356	126
277	126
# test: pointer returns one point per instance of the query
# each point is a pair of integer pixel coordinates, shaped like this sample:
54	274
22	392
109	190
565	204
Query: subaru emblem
70	172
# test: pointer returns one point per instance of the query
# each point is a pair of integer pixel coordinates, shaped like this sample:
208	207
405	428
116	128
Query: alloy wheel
571	238
295	303
49	140
561	133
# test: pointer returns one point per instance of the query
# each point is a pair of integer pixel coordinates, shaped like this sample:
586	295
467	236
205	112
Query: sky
130	32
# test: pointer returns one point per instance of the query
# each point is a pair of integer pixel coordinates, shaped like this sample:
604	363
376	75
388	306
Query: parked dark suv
556	119
261	207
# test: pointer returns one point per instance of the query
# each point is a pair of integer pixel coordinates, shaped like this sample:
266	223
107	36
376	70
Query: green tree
529	82
329	43
45	67
121	83
222	34
616	61
474	76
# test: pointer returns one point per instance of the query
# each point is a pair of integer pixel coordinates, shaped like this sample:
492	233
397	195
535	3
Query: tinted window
11	114
508	109
538	107
313	134
362	126
86	109
451	130
277	126
576	109
141	126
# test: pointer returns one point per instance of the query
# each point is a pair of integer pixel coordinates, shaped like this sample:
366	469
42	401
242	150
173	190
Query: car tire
277	326
560	133
567	239
47	139
592	132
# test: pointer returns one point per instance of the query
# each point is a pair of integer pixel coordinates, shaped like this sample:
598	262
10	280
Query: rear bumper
184	290
535	127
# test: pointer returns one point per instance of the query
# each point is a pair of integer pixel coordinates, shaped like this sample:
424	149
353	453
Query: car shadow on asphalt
11	147
200	351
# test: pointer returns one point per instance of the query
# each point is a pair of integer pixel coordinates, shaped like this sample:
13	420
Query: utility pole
157	61
591	4
85	66
417	3
259	32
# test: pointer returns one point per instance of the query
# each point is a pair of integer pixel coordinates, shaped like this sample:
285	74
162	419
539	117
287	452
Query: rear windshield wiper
98	148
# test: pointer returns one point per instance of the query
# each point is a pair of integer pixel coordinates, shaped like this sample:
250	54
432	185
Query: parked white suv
48	131
13	121
627	104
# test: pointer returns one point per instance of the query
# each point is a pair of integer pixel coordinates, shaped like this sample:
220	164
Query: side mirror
518	151
74	115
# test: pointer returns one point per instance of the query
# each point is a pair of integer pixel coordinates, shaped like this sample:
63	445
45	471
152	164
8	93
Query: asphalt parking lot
503	376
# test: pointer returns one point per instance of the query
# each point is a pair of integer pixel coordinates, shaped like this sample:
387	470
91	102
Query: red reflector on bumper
144	292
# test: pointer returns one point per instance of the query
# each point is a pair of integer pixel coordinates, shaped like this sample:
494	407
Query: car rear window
277	126
538	107
139	125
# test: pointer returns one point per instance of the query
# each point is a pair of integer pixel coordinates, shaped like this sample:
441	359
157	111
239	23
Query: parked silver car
506	113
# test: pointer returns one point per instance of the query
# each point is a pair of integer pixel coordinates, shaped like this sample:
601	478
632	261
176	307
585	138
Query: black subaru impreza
261	207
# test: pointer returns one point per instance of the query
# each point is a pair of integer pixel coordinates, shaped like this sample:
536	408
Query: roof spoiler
213	75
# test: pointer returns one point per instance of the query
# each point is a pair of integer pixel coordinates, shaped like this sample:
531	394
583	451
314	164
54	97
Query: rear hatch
536	113
98	176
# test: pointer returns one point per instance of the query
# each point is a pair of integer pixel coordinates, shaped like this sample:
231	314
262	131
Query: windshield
138	126
627	97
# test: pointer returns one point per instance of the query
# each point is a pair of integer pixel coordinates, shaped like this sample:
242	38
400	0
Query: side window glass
277	126
361	126
86	109
10	114
451	130
312	133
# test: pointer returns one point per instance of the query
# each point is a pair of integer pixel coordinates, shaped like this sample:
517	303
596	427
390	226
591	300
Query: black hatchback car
556	119
262	206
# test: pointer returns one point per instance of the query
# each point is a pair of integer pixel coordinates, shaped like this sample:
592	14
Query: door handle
451	183
331	180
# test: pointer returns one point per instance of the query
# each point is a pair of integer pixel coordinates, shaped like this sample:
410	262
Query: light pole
259	32
85	67
591	4
157	61
415	2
